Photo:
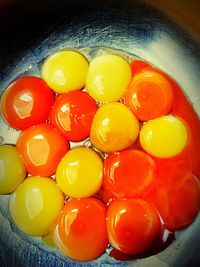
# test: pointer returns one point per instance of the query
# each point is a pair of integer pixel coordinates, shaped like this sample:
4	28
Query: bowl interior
37	30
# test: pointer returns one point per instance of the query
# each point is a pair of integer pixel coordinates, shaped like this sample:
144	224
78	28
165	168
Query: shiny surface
110	133
137	65
12	169
128	173
41	148
36	204
65	71
123	25
132	225
80	232
26	102
80	172
164	137
149	95
183	109
72	114
108	77
176	196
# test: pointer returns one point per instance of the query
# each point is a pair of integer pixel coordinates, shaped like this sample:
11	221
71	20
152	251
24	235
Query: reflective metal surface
129	26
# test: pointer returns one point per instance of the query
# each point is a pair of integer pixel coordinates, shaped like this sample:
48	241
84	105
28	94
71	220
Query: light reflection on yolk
12	169
164	137
34	207
64	117
80	232
38	150
23	105
114	128
65	71
79	174
108	77
36	204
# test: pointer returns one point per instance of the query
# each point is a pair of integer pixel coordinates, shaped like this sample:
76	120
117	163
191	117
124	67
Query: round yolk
80	232
42	148
65	71
164	137
132	225
149	95
72	115
36	205
108	77
26	102
12	169
79	173
128	173
114	128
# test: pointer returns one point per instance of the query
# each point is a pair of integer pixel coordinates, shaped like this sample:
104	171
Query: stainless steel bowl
30	31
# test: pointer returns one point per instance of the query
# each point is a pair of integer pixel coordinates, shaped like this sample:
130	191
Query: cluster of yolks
113	127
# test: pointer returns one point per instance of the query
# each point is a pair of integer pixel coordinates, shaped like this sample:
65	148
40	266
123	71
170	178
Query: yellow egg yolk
164	137
65	71
12	169
79	173
108	77
114	128
36	204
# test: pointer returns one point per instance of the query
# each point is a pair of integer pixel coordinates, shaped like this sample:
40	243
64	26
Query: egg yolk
36	204
108	77
128	173
80	232
65	71
149	95
132	224
164	137
114	128
12	169
79	173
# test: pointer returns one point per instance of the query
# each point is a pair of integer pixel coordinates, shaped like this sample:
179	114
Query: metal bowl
30	32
